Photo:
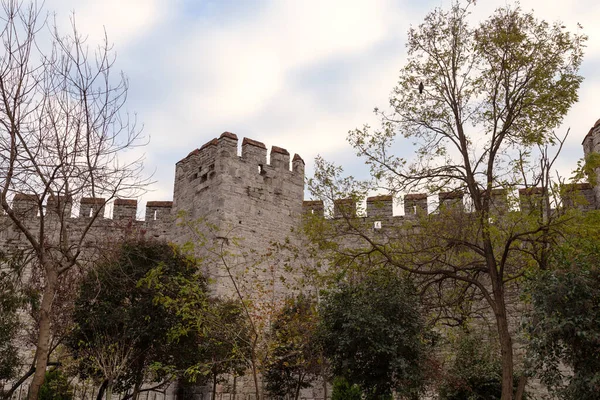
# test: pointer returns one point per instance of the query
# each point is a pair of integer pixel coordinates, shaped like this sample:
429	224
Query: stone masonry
254	201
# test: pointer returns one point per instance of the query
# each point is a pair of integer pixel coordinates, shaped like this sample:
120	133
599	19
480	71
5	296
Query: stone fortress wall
255	200
246	195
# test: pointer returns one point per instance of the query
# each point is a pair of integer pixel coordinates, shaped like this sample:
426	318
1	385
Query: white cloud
202	76
124	20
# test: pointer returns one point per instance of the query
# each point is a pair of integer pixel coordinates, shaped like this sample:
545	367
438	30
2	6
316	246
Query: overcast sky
292	73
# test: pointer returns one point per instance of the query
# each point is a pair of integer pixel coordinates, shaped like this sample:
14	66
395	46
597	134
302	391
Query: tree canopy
373	334
122	334
295	358
564	322
491	98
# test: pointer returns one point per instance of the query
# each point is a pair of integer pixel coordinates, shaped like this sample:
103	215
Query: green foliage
224	344
475	372
122	333
342	390
372	334
295	359
221	327
56	387
564	324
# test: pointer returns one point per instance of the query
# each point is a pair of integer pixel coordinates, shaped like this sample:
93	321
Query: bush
342	390
475	372
373	334
56	387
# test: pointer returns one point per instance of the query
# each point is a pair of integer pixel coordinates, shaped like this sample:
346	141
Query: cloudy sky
296	74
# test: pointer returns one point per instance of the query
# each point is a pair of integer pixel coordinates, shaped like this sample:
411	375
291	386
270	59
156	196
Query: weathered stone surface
244	205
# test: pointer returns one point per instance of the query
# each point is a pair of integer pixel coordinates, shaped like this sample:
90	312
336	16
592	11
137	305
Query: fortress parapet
125	209
314	207
532	200
89	206
25	204
498	199
215	179
345	208
380	206
60	206
254	151
280	158
591	144
578	195
452	200
158	210
298	165
415	204
199	164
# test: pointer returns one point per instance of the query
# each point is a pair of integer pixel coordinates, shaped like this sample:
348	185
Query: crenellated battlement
237	183
28	205
416	204
158	210
229	178
225	148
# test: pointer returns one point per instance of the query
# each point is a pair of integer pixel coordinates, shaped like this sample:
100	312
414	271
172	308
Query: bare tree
62	128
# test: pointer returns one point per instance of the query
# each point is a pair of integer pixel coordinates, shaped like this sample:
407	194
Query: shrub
342	390
56	387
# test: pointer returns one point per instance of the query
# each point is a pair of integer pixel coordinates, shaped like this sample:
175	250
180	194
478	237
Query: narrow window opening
211	167
261	170
91	213
414	209
204	178
155	214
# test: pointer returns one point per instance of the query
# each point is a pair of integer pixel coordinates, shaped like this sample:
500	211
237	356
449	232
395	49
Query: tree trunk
323	377
101	390
8	394
136	390
109	389
521	388
214	390
234	387
253	365
43	346
255	377
297	394
505	342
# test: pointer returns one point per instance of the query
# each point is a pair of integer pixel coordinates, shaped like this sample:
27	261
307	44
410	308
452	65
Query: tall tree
224	343
122	334
373	334
492	96
62	127
295	359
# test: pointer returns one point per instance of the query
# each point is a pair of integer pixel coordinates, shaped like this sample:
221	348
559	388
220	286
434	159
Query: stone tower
591	144
242	198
